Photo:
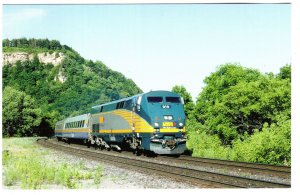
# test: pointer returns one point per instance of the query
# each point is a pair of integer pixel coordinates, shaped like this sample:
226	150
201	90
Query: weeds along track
283	172
178	173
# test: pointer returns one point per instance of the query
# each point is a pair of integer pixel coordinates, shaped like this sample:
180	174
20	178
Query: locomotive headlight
156	124
168	117
180	124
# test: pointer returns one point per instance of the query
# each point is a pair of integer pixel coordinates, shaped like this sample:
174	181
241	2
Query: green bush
272	145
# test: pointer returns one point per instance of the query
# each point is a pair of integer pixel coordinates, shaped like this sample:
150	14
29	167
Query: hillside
47	81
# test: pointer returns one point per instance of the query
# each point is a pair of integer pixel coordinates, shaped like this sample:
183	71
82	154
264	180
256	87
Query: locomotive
149	122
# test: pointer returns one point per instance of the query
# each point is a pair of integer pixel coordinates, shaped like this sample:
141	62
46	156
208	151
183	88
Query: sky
159	46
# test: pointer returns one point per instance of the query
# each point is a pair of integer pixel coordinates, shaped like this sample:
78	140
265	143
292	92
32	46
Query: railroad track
245	168
179	173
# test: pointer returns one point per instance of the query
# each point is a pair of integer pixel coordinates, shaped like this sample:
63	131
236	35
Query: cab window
173	99
154	99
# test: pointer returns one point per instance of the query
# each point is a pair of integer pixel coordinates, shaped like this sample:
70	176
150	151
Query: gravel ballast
118	178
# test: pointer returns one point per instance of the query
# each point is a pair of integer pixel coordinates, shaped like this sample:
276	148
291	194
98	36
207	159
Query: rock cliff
45	57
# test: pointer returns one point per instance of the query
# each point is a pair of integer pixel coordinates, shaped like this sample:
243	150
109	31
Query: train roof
75	118
158	92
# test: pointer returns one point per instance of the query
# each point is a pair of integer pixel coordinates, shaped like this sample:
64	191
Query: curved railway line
179	173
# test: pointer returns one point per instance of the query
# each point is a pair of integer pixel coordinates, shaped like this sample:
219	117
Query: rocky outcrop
60	77
54	58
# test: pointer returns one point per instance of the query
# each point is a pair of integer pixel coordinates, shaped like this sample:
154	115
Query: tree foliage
239	100
241	110
21	116
33	43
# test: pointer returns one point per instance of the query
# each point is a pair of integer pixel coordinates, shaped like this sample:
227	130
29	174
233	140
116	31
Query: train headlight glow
180	124
156	124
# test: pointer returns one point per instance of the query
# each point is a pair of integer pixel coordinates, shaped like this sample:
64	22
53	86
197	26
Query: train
148	122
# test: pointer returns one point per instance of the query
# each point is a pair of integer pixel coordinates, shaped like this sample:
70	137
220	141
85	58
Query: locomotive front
164	111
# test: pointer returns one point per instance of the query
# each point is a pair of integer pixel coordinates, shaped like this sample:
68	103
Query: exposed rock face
55	58
12	58
60	77
45	57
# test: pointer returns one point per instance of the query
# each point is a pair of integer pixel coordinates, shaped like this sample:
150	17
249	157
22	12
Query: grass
28	166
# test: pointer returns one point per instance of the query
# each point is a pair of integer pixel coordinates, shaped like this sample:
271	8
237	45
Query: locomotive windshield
154	99
173	99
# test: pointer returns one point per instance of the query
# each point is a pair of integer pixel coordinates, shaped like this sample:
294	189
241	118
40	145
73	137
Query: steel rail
233	166
261	166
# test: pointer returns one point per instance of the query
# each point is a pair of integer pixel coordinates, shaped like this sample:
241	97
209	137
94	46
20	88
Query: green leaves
246	114
238	100
271	145
20	113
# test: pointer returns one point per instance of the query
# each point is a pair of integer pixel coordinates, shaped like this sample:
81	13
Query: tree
21	117
285	72
238	100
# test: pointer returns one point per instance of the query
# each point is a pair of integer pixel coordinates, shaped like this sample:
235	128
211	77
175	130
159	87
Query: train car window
128	104
154	99
120	105
101	109
173	99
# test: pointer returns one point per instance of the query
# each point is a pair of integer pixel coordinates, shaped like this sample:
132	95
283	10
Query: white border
295	95
137	1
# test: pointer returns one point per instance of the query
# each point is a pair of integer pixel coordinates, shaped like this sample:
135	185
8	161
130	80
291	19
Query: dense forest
34	99
240	114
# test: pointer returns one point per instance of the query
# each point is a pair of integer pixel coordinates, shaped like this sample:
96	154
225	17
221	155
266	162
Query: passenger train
150	122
